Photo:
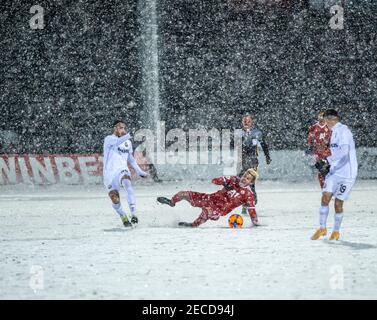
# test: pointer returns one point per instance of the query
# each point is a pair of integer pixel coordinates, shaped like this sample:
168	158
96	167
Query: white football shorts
113	183
338	186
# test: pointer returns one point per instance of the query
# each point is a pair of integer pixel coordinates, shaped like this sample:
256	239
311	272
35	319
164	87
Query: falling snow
194	64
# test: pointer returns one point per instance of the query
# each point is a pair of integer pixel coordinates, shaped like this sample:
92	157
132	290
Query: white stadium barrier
286	165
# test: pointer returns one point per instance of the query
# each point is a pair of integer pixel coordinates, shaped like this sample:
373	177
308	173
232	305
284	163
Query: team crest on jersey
124	148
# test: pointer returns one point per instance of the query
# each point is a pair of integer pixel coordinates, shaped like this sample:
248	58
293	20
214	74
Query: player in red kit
236	191
319	141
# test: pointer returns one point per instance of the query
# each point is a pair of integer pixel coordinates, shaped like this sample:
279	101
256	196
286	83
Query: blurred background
191	63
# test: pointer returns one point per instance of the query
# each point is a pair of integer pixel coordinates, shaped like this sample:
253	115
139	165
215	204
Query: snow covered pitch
62	242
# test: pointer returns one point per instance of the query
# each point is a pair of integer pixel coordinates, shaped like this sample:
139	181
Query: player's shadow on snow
352	245
116	230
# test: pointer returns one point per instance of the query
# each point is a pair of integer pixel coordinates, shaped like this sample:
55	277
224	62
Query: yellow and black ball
235	221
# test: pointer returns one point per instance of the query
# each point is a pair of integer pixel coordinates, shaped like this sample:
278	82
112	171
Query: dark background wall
61	87
282	65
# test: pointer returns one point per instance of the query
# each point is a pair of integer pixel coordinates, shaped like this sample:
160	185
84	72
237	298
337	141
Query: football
235	221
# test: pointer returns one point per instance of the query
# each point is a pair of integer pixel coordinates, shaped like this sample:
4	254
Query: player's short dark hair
117	121
329	113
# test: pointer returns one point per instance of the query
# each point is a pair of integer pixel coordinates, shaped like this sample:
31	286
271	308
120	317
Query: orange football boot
335	235
321	232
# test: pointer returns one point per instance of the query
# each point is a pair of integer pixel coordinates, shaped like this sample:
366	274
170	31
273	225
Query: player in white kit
340	172
117	152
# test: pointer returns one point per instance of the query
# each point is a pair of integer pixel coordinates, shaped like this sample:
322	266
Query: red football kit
222	202
319	141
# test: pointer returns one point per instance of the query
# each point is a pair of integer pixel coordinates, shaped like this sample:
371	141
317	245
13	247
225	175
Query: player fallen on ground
236	191
319	142
117	153
252	139
340	172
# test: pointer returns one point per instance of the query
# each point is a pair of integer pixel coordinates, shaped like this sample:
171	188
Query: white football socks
338	217
118	208
323	213
126	183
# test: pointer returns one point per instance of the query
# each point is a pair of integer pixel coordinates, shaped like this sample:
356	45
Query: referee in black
252	138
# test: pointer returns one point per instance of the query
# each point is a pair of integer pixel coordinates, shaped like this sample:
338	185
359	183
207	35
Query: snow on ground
62	242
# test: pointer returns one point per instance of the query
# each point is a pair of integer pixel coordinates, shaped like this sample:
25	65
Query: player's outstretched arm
265	148
250	204
134	165
221	180
266	152
226	182
253	215
112	141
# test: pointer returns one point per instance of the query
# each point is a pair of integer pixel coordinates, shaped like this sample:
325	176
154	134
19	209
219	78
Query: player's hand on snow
255	222
323	167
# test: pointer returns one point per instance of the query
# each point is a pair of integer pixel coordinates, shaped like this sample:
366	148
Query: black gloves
143	174
268	160
323	167
227	186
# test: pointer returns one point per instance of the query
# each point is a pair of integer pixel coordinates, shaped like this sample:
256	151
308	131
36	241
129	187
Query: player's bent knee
115	200
114	196
326	198
125	177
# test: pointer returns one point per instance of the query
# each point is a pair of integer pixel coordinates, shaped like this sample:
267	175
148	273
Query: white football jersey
343	158
116	153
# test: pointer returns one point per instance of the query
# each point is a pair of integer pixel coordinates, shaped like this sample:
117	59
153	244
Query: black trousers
247	163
